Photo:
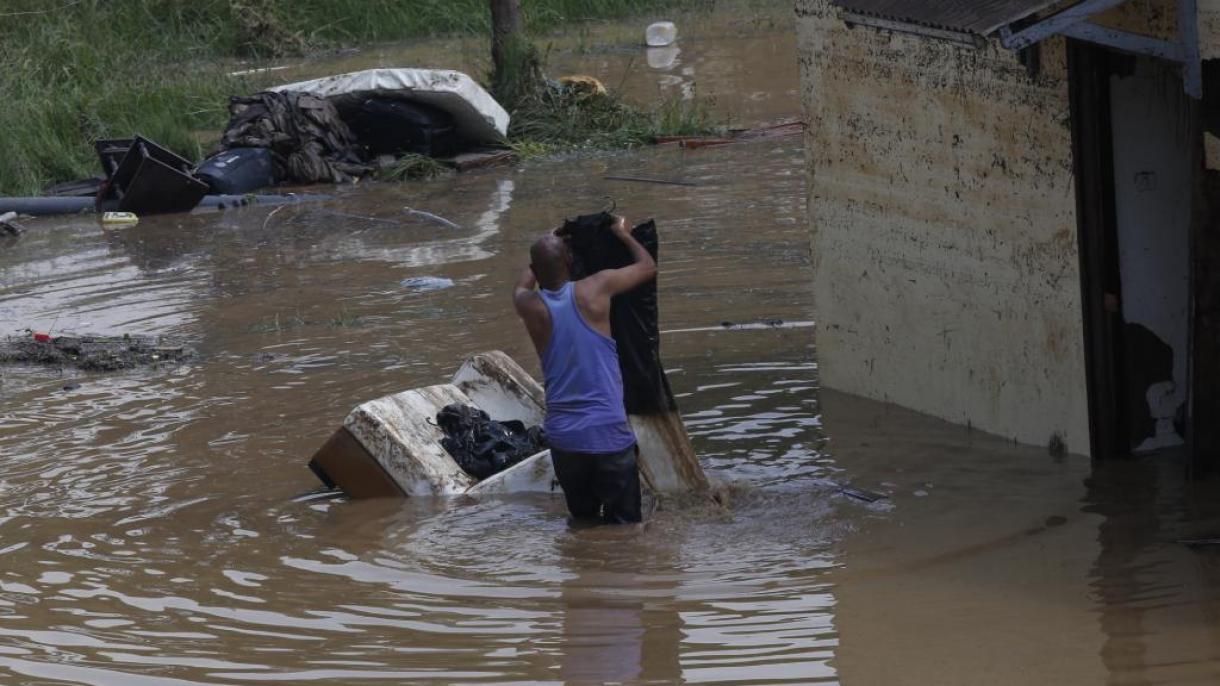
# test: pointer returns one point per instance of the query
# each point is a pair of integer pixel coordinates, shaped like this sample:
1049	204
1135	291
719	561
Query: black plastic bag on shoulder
633	315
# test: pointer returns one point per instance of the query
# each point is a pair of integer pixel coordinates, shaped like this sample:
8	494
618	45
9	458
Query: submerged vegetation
73	72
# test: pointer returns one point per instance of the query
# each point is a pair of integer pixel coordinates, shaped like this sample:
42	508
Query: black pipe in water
45	207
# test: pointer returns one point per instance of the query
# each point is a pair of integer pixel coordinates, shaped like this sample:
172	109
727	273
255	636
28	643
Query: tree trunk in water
517	74
505	33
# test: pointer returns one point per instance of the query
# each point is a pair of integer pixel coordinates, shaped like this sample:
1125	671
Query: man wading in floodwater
592	445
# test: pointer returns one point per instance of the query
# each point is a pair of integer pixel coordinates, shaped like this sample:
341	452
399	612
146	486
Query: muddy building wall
1209	29
943	224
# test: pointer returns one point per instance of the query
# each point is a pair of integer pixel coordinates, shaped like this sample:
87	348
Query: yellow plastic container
116	219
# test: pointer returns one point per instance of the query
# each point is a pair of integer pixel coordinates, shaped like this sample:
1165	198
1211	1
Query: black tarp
633	315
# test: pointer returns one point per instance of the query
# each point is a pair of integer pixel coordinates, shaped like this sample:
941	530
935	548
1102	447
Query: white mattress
477	115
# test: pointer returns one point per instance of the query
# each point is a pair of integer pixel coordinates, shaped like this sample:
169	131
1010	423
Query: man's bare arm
523	292
643	269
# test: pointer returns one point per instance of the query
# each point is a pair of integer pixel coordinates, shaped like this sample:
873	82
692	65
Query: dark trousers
603	486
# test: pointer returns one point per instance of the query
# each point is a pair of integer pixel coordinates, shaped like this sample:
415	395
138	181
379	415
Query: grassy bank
72	72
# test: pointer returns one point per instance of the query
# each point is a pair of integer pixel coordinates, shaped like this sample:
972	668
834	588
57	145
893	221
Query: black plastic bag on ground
483	447
387	126
633	315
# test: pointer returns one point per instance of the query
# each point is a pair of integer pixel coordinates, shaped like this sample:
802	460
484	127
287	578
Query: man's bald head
551	261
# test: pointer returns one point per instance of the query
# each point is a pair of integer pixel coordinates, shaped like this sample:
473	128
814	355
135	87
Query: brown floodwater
150	531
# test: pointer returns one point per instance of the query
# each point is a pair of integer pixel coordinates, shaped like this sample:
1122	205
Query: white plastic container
660	34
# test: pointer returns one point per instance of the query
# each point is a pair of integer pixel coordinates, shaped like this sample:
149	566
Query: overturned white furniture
391	447
477	116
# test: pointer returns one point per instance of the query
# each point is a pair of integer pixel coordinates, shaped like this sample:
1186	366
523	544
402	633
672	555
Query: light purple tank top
584	385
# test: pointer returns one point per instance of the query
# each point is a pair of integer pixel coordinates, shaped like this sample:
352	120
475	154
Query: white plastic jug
661	34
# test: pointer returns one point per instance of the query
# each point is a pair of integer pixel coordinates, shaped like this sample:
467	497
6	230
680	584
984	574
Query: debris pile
92	353
483	447
308	140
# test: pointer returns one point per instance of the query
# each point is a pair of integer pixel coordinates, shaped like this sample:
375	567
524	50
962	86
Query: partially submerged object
582	85
150	179
391	447
9	225
92	353
660	34
477	116
236	171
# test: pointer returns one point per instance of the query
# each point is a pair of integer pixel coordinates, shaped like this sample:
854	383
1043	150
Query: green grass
279	324
553	121
345	319
72	72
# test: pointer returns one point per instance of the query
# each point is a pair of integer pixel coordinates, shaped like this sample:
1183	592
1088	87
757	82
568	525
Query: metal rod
647	179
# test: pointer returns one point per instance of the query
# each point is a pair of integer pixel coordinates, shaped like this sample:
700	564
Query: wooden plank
667	461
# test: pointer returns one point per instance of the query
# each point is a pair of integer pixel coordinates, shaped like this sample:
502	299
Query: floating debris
92	353
765	325
426	284
650	179
430	217
9	225
861	494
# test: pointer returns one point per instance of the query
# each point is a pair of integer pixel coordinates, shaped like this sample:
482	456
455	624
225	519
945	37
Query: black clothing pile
633	315
483	447
310	141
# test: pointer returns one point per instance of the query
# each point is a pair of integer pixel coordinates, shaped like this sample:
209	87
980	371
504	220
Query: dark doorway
1137	143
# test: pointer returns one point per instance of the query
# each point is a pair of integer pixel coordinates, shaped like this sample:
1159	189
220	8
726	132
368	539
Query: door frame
1097	236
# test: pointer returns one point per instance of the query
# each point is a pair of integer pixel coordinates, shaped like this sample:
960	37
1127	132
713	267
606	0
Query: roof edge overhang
916	28
1075	22
1017	27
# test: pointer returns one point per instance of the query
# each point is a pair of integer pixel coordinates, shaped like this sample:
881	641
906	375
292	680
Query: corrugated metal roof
979	17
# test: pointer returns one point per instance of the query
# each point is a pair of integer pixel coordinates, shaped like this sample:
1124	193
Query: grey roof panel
980	17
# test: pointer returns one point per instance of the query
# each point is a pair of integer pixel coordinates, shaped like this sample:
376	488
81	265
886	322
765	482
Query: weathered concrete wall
942	210
1209	29
1156	18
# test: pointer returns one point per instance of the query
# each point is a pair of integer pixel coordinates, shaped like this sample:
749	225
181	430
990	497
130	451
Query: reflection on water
148	533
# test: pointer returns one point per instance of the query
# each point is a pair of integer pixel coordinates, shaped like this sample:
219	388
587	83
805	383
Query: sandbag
483	447
633	315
